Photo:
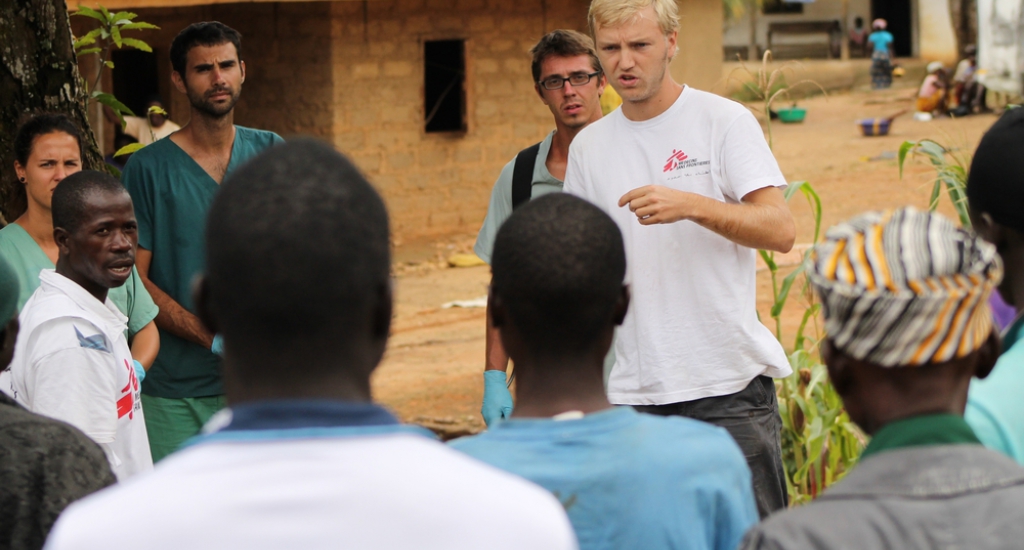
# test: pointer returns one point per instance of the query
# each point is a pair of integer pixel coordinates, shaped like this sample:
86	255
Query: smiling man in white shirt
691	183
72	361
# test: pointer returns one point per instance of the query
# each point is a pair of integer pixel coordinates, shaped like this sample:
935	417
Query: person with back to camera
303	458
881	42
905	300
627	480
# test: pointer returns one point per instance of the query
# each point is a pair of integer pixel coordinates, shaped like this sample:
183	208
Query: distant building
429	97
921	28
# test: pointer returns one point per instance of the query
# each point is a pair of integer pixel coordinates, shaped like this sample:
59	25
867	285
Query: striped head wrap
904	288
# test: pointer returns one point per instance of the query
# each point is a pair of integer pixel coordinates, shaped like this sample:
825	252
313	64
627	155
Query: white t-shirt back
692	329
72	363
387	490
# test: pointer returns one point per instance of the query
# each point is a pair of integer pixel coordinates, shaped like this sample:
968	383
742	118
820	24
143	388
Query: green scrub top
172	195
28	259
995	409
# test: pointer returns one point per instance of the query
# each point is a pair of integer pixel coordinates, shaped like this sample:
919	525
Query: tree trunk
964	14
38	73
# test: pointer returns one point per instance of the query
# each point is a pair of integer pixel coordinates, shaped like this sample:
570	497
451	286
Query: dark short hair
68	204
24	140
206	33
558	266
297	248
562	43
994	181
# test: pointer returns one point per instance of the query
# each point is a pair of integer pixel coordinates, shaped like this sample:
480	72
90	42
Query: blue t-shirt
881	40
172	194
631	480
995	408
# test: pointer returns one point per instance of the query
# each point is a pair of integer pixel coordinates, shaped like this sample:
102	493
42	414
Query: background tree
38	72
964	14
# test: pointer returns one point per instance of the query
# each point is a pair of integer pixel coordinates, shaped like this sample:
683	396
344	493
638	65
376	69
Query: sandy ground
432	371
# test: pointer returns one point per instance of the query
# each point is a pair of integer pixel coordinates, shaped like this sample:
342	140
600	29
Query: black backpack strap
522	175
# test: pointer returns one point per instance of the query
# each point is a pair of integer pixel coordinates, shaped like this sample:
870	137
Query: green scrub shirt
172	195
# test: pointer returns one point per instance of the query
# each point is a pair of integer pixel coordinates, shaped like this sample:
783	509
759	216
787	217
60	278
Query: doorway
900	18
135	79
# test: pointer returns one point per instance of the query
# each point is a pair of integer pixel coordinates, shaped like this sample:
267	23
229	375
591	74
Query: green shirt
172	195
995	408
28	259
916	431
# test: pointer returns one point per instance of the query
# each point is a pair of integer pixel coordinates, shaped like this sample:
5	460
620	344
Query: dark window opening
899	16
780	6
444	78
135	79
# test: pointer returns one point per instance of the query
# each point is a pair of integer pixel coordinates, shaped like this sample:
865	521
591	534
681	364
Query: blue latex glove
140	371
218	345
497	399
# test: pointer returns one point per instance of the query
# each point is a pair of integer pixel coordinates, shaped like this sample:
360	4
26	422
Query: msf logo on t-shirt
674	160
127	403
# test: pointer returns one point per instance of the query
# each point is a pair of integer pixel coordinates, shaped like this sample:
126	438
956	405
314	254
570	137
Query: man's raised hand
654	204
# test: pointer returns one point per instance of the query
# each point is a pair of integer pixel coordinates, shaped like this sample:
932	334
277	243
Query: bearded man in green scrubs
905	298
172	183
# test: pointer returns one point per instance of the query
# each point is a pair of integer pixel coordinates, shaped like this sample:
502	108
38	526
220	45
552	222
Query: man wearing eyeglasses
567	76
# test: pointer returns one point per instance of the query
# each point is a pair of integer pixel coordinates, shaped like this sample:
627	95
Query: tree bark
38	73
964	14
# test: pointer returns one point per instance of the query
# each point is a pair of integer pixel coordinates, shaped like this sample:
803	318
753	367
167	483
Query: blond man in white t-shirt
71	360
691	183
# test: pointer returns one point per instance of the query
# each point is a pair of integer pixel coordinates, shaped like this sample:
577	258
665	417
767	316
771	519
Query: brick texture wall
352	73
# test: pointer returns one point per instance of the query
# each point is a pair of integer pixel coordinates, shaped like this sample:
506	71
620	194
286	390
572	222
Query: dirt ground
431	374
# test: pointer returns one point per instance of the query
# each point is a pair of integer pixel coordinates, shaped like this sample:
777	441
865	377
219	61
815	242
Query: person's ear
496	309
622	306
602	81
8	337
988	354
179	82
61	238
204	309
837	364
382	311
20	171
986	227
241	66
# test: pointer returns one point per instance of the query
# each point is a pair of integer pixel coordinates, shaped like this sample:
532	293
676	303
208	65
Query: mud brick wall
351	73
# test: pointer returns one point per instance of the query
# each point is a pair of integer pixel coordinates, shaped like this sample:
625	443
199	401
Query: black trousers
752	418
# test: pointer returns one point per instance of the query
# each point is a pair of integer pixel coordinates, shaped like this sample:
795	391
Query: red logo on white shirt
126	405
674	160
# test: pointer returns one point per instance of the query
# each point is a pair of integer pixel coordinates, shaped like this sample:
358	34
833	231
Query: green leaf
109	64
792	188
137	26
115	33
137	44
106	15
128	149
89	12
905	148
769	260
112	102
123	16
787	283
88	51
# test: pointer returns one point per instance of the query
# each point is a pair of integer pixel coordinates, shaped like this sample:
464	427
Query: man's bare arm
496	358
761	220
146	345
172	317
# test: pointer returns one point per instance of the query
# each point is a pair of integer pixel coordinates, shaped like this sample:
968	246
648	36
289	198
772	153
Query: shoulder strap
522	175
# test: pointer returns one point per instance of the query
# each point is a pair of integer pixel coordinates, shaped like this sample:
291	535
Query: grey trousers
752	418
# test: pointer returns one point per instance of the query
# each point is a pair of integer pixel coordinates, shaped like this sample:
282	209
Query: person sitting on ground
968	92
153	125
994	407
44	464
627	479
303	458
931	97
48	148
72	360
882	53
905	300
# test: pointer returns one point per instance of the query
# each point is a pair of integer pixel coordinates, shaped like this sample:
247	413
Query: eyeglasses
577	79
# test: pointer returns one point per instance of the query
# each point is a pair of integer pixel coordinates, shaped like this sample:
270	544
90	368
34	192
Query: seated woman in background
931	98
